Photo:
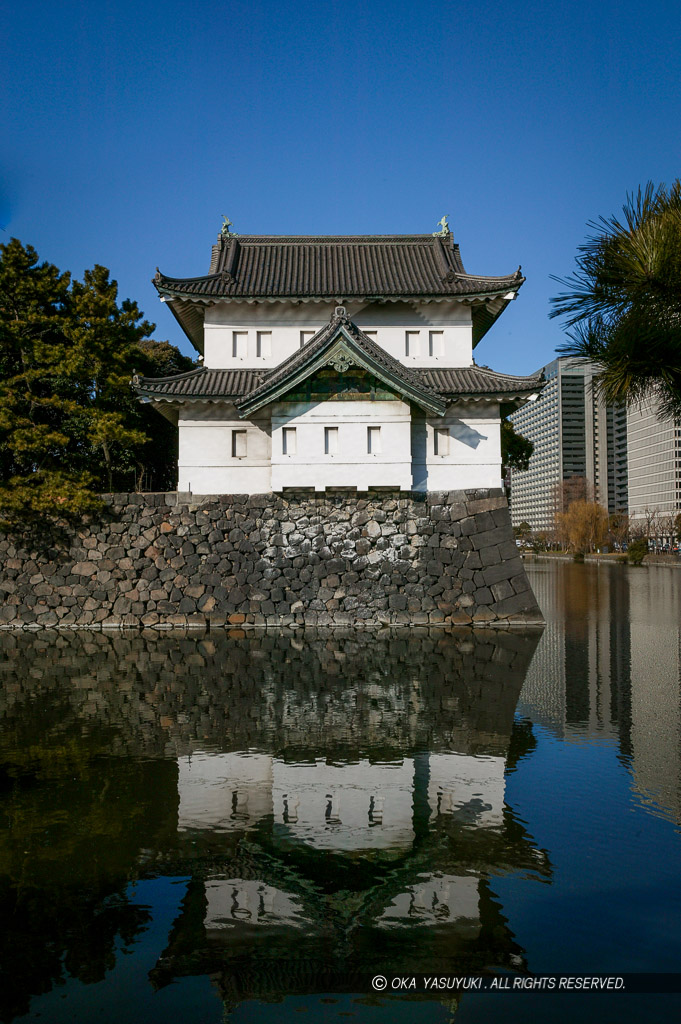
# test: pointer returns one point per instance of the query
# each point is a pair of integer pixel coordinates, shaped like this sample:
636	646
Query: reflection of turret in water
306	805
316	908
385	864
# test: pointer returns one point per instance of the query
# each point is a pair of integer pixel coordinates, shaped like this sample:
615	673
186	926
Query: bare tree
619	526
645	524
665	530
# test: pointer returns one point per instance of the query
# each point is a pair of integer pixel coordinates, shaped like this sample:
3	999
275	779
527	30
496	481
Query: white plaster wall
352	465
474	458
231	902
407	459
223	792
387	323
439	899
392	321
205	461
285	321
350	807
470	789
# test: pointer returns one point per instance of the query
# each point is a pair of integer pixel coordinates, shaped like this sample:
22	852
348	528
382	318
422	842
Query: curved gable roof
341	342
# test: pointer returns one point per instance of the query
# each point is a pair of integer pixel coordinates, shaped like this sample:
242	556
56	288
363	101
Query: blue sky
130	128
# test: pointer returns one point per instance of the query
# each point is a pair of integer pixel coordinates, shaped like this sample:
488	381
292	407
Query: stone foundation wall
271	560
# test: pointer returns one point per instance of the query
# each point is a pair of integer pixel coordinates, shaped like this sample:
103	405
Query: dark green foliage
70	424
637	551
624	302
156	461
516	450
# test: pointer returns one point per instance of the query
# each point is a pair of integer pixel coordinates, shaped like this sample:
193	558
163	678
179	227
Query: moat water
239	827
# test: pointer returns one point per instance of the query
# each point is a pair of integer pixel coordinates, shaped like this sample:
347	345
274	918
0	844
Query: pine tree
70	424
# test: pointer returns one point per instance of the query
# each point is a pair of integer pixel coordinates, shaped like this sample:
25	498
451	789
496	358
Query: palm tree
623	306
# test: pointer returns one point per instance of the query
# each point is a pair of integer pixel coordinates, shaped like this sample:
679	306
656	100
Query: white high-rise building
574	435
629	457
654	461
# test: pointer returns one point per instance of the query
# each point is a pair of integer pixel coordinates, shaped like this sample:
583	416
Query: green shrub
637	551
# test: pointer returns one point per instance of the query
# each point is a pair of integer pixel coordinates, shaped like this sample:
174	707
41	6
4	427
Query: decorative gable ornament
341	361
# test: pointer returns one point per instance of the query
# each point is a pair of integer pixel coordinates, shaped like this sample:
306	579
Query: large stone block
502	571
524	602
487	538
487	504
502	590
490	555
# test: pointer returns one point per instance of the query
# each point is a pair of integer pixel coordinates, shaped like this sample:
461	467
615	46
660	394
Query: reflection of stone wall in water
437	558
157	693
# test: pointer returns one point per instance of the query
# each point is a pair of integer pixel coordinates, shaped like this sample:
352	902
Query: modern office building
654	460
618	465
575	435
630	457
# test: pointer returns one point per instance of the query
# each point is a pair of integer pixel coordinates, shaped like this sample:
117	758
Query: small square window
330	440
411	343
289	443
306	336
239	343
441	435
263	344
374	440
238	444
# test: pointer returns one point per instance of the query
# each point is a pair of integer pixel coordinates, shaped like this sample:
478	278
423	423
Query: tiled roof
478	380
327	267
205	383
201	383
